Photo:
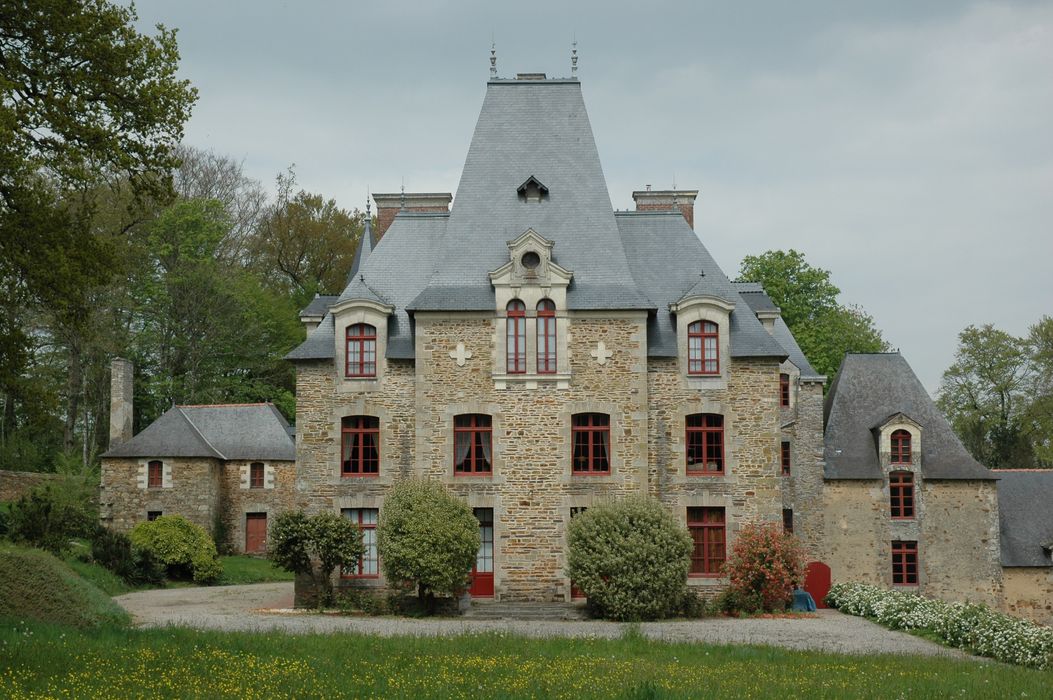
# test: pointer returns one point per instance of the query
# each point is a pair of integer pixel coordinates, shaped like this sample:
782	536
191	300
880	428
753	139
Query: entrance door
817	581
255	533
575	592
483	571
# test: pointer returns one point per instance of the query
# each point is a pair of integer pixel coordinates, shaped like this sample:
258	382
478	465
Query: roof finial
367	201
574	57
402	197
493	57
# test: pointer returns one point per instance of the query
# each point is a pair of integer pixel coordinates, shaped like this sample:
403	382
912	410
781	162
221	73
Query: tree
631	559
1039	415
314	546
824	328
427	536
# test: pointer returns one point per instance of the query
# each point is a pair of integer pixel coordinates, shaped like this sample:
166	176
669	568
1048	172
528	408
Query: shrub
298	541
184	548
135	565
970	626
428	537
630	558
764	566
52	514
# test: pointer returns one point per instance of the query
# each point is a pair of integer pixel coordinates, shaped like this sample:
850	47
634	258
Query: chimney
388	205
122	374
667	200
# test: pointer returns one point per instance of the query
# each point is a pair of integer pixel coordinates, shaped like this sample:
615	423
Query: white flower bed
973	627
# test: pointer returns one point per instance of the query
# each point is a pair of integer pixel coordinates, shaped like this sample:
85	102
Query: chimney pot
389	205
667	200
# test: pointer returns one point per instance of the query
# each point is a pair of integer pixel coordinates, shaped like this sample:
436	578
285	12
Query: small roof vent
530	76
532	190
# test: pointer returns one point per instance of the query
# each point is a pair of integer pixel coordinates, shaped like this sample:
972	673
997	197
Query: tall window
901	494
591	434
360	446
706	526
575	592
901	447
784	390
471	444
366	519
546	337
904	563
787	520
515	345
256	475
154	474
785	458
361	350
703	357
705	443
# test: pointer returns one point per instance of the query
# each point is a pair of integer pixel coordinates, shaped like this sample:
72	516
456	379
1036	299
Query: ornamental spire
574	58
493	58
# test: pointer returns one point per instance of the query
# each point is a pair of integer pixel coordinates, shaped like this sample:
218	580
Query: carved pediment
530	262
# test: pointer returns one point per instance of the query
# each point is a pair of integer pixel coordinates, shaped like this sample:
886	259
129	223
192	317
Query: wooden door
817	581
483	571
255	533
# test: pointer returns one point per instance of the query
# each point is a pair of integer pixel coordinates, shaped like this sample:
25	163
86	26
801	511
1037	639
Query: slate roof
226	431
868	389
1025	516
366	244
319	305
759	300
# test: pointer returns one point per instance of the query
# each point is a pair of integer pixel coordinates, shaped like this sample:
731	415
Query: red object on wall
817	581
255	533
483	572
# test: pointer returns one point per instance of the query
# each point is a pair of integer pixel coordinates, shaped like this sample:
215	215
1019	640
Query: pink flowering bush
764	567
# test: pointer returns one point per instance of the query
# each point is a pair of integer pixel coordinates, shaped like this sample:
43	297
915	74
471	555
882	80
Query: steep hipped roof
318	306
759	301
1025	516
867	390
229	431
366	244
540	129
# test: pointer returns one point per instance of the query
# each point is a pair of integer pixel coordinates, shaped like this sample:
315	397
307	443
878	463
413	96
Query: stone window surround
565	464
362	406
678	441
142	478
917	585
349	313
245	471
731	519
794	373
497	443
340	503
493	502
900	422
238	535
704	308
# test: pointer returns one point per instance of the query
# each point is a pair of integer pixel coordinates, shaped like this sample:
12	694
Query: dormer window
516	338
532	190
901	447
703	354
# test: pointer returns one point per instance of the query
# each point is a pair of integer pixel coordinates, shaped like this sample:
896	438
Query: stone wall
857	545
1029	593
804	488
191	488
238	498
14	485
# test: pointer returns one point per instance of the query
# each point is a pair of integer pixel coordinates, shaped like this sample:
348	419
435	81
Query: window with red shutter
256	475
154	474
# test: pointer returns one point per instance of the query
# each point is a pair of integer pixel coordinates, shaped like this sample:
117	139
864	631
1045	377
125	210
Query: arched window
360	446
472	435
901	447
155	474
703	354
546	337
591	433
361	356
705	443
901	495
516	337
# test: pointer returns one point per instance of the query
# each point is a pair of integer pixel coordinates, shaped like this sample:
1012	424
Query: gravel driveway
242	608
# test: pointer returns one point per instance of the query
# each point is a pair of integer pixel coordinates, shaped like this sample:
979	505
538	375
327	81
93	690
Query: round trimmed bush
183	547
630	558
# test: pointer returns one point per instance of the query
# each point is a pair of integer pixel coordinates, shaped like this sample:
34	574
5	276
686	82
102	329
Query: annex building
539	352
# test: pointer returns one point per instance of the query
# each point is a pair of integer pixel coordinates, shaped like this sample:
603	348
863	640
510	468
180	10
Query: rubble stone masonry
190	488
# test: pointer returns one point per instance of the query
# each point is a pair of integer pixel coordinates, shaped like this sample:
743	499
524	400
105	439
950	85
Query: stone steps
524	611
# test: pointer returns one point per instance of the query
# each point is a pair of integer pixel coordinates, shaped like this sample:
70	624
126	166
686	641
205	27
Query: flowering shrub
764	566
970	626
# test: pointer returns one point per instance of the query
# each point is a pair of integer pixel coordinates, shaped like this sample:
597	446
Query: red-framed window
707	528
546	337
784	390
787	520
368	565
705	443
361	355
360	446
901	447
155	471
472	436
153	515
904	563
901	495
703	342
785	456
256	475
515	338
591	437
575	592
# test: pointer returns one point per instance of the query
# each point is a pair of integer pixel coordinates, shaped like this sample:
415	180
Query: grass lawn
241	569
47	661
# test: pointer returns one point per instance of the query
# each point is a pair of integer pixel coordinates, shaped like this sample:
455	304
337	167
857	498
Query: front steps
494	610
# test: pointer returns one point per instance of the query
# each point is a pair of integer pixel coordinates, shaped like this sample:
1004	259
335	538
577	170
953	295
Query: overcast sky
905	146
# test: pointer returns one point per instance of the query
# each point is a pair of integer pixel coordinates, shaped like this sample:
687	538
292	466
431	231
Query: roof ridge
222	405
199	433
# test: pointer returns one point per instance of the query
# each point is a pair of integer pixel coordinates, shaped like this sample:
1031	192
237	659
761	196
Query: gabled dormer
703	325
532	190
898	441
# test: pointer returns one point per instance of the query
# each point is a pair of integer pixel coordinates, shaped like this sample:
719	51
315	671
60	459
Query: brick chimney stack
667	200
122	375
388	206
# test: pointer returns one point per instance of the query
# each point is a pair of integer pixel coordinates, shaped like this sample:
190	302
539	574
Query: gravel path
243	608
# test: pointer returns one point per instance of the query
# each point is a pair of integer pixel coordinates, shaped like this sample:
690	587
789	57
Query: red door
817	581
483	571
255	533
